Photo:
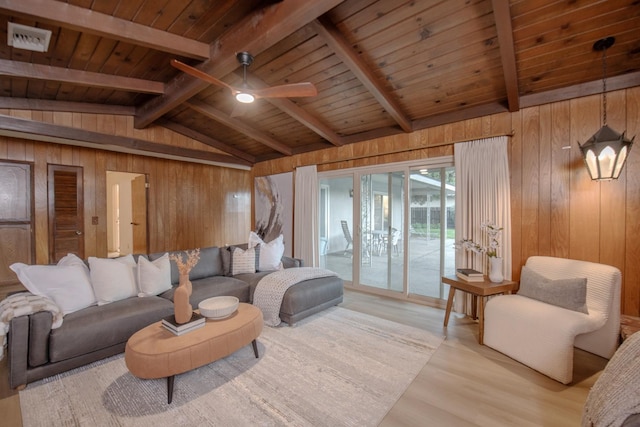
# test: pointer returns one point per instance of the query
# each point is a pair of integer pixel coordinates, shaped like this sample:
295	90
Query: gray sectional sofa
36	351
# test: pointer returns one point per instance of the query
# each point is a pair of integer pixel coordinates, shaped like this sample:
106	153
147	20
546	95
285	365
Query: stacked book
470	275
169	323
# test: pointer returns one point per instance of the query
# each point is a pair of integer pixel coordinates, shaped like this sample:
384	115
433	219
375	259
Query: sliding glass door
390	230
381	226
432	230
336	226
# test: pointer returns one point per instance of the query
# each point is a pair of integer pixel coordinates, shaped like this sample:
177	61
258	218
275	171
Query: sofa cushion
113	323
154	277
113	279
252	280
290	262
566	293
270	253
66	285
244	260
311	293
39	329
225	255
73	259
213	286
210	264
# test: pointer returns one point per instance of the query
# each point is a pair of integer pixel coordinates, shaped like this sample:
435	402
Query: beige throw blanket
271	288
616	394
22	304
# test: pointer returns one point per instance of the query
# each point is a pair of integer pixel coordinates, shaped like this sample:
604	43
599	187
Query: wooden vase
181	307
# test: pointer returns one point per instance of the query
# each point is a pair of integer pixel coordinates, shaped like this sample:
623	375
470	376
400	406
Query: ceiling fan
244	93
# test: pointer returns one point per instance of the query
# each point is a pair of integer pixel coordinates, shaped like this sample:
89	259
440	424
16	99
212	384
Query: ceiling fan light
245	98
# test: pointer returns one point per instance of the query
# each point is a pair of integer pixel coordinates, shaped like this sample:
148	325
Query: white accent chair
541	335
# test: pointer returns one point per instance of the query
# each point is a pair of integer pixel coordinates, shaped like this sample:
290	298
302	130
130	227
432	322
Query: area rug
336	368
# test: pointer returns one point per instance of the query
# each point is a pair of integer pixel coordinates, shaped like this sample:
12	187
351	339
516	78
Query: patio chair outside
347	236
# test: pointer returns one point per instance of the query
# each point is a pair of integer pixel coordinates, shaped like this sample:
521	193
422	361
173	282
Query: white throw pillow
154	277
254	240
66	285
73	259
113	279
244	261
270	253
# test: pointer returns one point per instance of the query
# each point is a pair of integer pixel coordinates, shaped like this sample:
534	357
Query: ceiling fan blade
200	74
293	90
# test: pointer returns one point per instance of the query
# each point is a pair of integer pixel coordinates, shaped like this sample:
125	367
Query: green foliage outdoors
419	229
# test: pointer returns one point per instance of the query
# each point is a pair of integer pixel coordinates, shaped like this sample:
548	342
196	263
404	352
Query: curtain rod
406	150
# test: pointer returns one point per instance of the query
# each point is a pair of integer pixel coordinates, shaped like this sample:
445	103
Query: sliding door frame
356	174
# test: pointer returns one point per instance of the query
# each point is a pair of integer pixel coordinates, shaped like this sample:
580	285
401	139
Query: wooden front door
66	212
16	218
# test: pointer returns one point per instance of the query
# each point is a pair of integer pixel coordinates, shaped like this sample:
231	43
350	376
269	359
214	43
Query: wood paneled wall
190	205
556	209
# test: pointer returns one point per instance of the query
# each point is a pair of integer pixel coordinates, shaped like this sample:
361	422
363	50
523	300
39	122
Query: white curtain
305	223
482	194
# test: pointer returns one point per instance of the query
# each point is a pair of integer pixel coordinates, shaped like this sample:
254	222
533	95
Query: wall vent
29	38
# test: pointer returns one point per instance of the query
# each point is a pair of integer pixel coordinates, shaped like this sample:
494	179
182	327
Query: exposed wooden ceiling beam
40	131
460	115
502	16
66	106
88	21
257	32
84	78
334	39
624	81
298	113
236	124
205	139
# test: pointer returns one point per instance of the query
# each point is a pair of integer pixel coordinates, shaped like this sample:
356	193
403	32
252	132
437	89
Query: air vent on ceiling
29	38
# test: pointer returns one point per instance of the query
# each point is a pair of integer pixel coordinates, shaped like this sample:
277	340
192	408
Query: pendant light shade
605	153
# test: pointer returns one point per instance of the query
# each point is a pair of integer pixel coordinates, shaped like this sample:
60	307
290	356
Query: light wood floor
464	383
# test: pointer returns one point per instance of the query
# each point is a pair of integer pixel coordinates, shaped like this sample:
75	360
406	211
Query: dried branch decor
184	267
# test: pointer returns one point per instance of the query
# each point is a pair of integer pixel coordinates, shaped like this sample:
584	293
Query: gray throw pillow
567	293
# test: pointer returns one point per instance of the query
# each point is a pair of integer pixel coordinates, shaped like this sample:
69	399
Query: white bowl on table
218	307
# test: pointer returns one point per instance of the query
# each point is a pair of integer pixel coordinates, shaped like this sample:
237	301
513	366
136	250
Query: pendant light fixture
606	151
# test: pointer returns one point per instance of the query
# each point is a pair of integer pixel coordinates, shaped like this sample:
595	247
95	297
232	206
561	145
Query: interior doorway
126	213
66	211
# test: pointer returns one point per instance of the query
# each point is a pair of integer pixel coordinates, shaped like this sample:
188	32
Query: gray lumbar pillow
567	293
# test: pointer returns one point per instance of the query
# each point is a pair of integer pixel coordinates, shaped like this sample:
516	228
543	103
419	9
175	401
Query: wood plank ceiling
380	67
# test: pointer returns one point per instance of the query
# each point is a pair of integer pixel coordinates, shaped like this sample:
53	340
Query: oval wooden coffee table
154	352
